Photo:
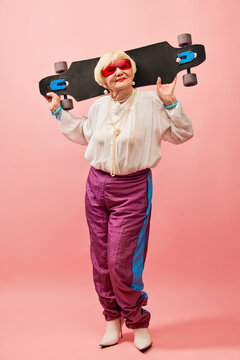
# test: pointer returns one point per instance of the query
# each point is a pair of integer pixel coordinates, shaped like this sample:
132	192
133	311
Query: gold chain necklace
116	130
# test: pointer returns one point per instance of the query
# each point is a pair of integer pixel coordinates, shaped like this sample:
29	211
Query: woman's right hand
54	101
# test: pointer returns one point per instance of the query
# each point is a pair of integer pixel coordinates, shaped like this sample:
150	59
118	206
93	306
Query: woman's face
121	78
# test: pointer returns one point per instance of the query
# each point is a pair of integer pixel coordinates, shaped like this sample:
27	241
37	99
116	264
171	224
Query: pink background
48	305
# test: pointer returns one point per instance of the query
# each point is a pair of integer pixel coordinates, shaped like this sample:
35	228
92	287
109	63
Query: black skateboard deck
160	59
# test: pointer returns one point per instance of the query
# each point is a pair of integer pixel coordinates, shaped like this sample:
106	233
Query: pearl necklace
123	99
116	130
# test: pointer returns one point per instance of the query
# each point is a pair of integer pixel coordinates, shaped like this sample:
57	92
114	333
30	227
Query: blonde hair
108	58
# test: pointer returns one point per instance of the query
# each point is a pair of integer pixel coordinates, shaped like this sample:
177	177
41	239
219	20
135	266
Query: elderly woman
123	134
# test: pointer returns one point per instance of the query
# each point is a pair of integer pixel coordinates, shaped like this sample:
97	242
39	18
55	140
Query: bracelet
58	117
171	106
57	110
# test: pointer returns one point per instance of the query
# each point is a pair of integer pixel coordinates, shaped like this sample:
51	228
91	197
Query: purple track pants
118	211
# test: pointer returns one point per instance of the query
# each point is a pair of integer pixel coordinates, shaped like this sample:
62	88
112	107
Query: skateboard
160	59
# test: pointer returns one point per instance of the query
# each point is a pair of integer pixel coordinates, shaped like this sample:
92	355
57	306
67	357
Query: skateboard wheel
67	104
190	79
184	39
60	67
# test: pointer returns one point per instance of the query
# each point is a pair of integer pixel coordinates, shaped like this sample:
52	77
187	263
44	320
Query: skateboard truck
59	84
189	79
185	57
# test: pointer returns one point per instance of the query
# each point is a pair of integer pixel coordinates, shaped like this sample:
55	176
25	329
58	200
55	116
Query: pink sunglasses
122	64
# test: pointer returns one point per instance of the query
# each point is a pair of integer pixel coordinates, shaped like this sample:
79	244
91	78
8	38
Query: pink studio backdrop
195	221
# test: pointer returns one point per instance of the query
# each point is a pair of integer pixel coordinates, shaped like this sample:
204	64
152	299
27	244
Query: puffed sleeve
78	130
176	125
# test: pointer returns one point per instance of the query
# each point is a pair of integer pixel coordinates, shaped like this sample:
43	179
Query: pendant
116	132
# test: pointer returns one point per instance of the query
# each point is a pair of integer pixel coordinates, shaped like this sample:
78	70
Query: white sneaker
142	339
113	332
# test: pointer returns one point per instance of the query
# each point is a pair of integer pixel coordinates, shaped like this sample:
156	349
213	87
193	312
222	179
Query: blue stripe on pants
138	257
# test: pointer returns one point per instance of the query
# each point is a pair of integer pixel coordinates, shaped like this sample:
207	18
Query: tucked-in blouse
138	146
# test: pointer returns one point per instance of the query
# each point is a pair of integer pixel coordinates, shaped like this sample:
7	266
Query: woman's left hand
165	91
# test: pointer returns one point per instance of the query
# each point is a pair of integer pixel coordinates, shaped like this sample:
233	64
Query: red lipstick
121	79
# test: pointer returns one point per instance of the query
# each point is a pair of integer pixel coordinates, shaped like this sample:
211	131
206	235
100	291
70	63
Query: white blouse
138	144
